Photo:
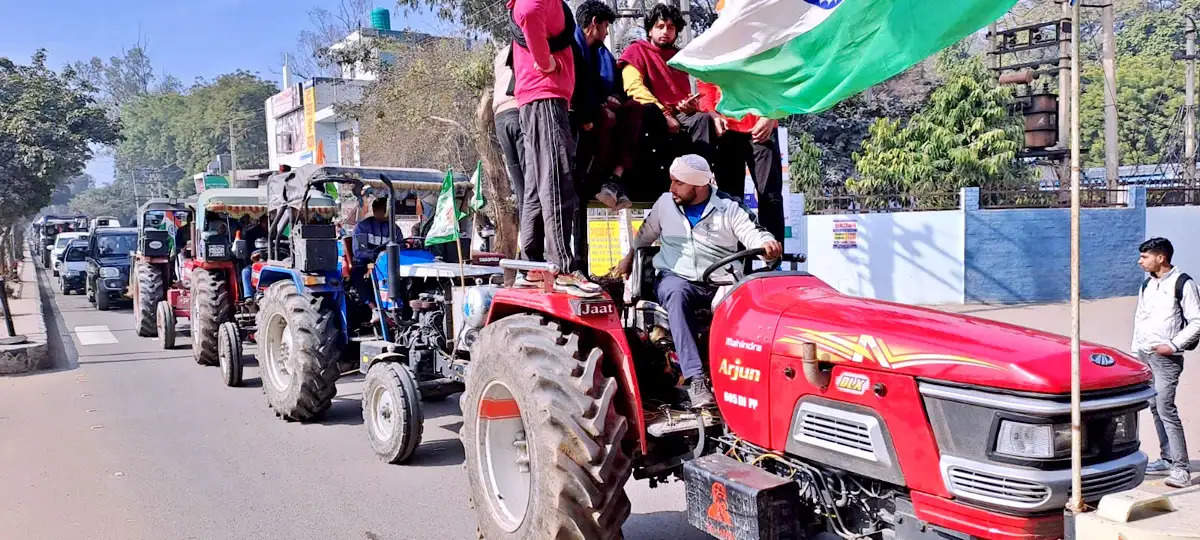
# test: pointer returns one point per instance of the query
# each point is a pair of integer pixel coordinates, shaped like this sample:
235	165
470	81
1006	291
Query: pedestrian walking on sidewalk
1166	324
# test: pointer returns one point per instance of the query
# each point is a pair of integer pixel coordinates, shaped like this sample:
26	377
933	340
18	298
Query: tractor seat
643	278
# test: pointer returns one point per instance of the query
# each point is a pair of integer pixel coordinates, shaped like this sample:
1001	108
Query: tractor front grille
836	431
990	486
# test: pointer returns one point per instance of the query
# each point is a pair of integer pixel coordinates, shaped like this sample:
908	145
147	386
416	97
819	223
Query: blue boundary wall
1001	256
1024	255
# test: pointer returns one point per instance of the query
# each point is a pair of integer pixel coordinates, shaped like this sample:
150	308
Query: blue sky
185	39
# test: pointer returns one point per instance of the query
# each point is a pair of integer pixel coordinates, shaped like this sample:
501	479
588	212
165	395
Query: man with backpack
1167	322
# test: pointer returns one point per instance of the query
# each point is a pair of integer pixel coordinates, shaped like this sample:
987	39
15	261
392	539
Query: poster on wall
310	118
845	234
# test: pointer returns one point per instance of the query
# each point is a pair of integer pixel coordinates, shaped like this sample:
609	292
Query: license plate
595	309
216	251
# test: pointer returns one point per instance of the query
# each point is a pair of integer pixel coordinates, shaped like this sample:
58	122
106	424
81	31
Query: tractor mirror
240	249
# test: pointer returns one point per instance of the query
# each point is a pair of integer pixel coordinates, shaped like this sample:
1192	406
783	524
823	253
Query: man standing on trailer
508	124
544	71
1167	322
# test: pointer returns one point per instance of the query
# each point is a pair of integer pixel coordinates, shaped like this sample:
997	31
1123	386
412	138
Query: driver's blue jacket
688	250
370	236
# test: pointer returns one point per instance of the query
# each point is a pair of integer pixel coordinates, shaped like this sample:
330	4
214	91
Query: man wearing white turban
697	227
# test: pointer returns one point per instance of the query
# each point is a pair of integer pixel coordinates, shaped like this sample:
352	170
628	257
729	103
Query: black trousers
736	152
508	132
549	209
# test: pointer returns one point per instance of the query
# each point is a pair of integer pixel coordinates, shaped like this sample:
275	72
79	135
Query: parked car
60	245
108	264
74	267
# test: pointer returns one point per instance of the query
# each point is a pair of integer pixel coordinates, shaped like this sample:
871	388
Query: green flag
477	200
445	217
780	57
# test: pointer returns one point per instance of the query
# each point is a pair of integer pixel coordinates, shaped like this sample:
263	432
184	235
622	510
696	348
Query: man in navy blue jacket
371	234
370	238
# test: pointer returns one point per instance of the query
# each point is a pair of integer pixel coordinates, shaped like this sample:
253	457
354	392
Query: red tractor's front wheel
543	439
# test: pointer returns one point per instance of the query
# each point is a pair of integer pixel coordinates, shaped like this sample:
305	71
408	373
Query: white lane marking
94	335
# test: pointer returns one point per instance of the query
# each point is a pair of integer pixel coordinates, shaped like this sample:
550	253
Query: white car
60	245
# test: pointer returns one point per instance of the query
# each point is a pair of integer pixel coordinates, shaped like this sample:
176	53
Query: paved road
125	440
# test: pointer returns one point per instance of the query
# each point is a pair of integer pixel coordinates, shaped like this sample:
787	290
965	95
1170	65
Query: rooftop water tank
381	19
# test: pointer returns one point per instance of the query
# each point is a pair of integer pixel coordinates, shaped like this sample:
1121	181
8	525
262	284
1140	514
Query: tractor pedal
667	421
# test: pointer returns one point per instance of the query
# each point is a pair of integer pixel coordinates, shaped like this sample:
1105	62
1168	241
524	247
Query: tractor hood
931	344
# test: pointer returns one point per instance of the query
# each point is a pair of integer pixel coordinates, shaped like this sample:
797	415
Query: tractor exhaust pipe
812	367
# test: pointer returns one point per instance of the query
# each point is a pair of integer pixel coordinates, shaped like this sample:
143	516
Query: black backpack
1180	283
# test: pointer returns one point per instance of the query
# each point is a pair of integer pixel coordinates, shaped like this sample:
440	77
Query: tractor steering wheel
706	277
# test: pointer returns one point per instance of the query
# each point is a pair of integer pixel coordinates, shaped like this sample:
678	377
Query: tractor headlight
1032	440
1125	428
109	272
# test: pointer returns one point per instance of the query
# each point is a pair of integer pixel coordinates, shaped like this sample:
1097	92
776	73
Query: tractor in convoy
152	269
409	332
837	416
211	295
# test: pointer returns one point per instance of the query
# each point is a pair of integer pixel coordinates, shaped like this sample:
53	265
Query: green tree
171	135
48	121
421	111
115	200
967	135
1149	96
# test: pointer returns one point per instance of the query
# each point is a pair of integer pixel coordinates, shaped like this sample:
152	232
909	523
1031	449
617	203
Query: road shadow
453	426
61	354
343	412
439	453
252	382
662	525
156	358
438	409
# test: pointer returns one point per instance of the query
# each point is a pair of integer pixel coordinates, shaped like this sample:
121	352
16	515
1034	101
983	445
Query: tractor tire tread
212	305
570	415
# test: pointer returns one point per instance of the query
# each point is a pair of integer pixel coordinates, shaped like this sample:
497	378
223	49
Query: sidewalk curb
32	356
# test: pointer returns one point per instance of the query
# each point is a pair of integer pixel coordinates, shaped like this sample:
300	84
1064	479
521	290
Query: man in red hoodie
544	73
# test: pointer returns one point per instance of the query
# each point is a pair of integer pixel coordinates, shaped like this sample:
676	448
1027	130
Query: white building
303	124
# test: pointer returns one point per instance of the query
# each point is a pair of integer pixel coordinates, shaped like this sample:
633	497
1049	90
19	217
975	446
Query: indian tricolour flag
781	57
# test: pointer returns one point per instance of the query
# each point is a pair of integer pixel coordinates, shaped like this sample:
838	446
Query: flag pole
1075	505
462	269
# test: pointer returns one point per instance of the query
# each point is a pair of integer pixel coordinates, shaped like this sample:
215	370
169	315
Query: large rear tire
211	306
543	439
391	408
147	295
300	344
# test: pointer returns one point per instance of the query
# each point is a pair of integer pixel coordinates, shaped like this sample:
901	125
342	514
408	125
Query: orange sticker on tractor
860	348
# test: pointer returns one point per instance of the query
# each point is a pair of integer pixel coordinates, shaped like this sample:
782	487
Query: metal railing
883	202
1053	198
1172	196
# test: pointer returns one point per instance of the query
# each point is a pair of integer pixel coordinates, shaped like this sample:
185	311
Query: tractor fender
374	352
268	274
606	328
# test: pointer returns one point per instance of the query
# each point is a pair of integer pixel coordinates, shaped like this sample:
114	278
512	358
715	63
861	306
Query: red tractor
152	270
839	417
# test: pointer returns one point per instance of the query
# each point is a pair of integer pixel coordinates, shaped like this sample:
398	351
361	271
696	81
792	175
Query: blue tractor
404	333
